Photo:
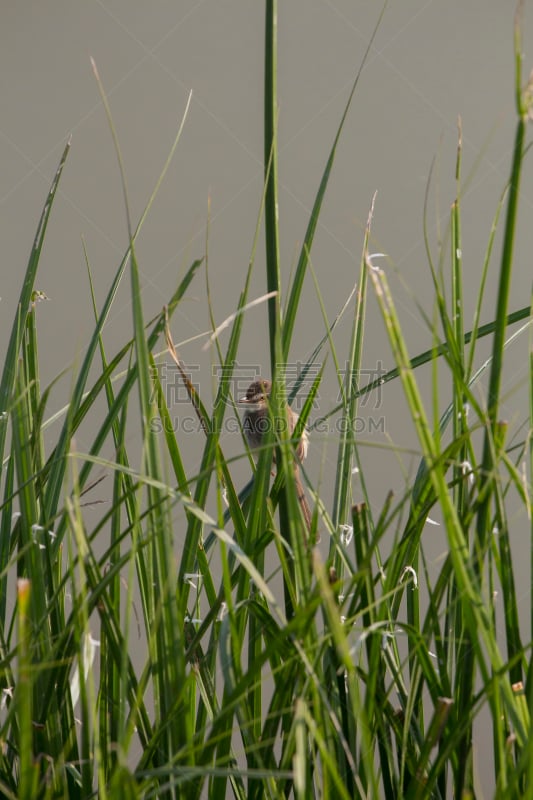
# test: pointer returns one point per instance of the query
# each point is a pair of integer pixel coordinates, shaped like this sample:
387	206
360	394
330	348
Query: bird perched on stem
256	423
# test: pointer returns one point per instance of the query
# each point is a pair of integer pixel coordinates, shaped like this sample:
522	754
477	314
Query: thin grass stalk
213	427
77	550
57	459
115	673
31	561
112	716
13	349
279	730
465	677
529	455
493	399
29	770
336	748
130	377
477	331
77	414
307	244
293	528
428	355
230	660
110	633
506	574
99	581
361	751
167	656
169	677
476	611
122	723
31	366
375	686
208	466
6	542
273	273
338	789
343	474
224	753
254	696
279	483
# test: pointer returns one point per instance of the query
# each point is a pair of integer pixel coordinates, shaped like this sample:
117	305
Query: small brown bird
256	423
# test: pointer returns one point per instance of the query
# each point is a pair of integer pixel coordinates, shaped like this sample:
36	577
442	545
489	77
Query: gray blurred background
432	60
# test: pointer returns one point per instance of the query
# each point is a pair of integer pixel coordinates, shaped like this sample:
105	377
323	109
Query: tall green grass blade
493	399
343	475
307	244
477	615
273	274
29	772
208	682
13	350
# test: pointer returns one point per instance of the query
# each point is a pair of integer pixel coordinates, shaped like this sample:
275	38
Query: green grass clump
348	687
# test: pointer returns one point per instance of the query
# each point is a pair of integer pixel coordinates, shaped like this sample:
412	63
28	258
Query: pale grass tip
369	258
346	534
227	322
409	571
191	577
468	472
